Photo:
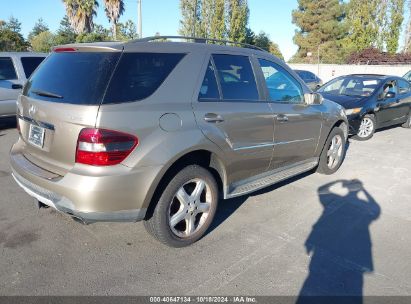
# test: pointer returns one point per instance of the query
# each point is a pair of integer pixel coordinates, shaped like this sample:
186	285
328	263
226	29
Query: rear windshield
77	78
94	78
30	64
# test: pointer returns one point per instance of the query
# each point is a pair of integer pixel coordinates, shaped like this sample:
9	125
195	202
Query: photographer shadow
340	244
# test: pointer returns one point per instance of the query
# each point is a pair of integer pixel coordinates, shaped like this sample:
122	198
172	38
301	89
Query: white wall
330	71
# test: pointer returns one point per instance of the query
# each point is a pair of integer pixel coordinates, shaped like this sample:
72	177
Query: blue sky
271	16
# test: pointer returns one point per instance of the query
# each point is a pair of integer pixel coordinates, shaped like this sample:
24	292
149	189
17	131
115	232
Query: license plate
36	136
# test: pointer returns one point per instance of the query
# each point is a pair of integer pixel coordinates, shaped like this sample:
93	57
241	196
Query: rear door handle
282	118
212	117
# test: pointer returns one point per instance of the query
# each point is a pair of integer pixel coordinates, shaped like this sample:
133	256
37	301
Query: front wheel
185	209
367	128
333	154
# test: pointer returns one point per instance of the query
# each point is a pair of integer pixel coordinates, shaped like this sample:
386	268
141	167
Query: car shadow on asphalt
228	207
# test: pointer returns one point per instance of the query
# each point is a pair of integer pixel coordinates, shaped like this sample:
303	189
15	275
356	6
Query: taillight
100	147
62	50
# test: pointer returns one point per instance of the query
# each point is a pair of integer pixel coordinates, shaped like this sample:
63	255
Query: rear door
10	86
61	98
297	125
231	113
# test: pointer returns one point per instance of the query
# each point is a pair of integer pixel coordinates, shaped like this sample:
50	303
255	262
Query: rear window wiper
46	94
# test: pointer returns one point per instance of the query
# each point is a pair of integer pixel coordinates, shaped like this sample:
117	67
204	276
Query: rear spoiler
87	48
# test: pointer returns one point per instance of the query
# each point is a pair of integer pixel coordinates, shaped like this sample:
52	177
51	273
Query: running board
271	178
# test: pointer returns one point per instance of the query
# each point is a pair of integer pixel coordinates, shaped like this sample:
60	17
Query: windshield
351	86
76	78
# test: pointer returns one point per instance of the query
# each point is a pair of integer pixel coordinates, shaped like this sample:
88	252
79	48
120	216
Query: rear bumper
64	205
118	197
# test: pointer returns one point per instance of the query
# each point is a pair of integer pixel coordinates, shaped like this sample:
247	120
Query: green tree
11	40
38	28
364	23
43	42
190	22
81	13
238	14
394	28
218	25
65	33
321	26
114	9
250	36
98	34
127	31
262	40
407	34
14	25
217	19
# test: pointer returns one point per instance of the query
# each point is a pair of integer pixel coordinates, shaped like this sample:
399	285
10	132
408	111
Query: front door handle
282	118
212	117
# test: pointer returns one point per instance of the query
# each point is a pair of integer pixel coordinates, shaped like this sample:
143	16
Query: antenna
140	21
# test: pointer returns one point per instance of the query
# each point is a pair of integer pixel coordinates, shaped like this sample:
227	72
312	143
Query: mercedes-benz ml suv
161	131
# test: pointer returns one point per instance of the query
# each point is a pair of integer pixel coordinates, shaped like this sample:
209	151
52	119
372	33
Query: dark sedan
371	101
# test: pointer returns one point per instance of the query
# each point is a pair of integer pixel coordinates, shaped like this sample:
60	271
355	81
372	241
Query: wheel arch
202	157
340	123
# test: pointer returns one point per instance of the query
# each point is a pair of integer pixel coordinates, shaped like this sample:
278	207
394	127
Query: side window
209	87
334	87
30	64
7	71
389	86
403	87
236	77
282	87
138	75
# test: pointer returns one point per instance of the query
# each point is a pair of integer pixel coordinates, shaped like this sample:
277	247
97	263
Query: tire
407	124
367	128
326	165
177	220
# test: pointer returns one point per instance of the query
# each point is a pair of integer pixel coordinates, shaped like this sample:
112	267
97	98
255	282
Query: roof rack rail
198	40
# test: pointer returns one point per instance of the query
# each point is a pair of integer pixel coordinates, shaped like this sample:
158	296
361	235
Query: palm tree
114	9
81	14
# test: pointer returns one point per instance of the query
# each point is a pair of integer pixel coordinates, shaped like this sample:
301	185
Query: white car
15	69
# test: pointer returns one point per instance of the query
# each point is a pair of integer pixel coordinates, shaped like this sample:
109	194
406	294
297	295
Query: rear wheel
367	128
407	124
185	209
333	153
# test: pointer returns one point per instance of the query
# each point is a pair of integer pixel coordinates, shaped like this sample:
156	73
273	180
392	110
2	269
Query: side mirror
313	99
389	95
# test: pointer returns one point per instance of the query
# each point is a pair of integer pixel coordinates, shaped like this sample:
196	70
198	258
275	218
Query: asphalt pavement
345	234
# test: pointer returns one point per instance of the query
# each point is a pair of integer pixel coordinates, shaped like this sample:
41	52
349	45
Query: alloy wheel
189	208
335	152
366	128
